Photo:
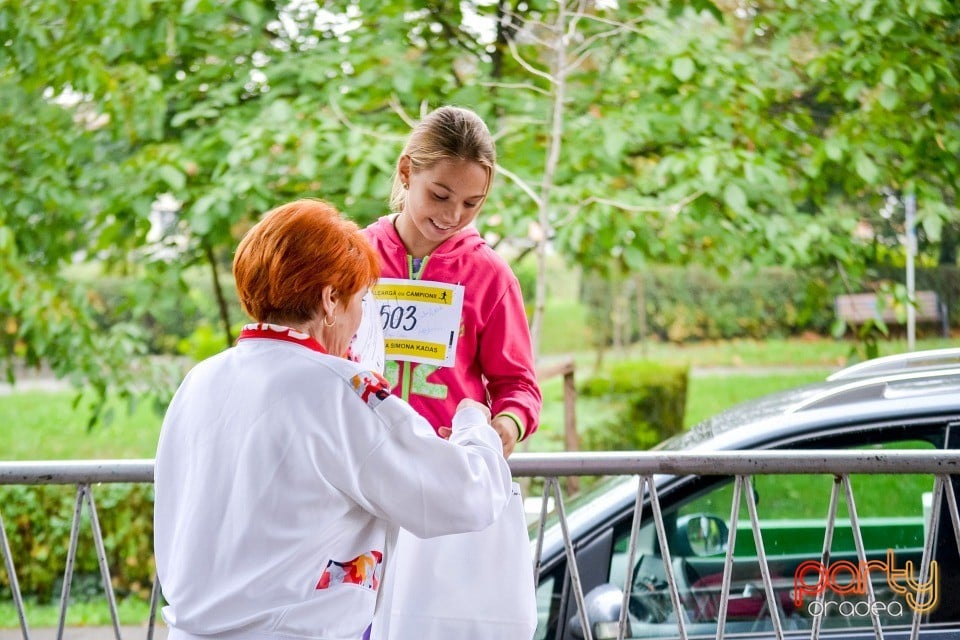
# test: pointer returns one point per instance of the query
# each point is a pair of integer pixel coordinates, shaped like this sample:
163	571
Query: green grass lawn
92	613
710	394
42	425
38	425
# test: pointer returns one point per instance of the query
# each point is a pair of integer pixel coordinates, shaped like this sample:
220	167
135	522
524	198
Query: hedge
685	304
648	398
38	520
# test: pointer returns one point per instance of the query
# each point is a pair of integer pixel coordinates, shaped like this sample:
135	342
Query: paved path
759	370
85	633
31	379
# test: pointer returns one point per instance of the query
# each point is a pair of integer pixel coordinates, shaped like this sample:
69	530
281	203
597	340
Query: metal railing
648	467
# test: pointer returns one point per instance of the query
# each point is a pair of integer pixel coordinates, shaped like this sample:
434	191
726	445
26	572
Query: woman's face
353	312
441	200
346	316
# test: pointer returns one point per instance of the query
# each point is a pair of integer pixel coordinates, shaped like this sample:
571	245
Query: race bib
420	319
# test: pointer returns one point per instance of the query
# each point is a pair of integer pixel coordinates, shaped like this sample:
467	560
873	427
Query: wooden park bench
859	307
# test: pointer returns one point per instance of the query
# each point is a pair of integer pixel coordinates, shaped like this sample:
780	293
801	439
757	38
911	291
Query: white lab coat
277	466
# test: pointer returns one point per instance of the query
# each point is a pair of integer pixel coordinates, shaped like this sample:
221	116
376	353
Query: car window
546	594
792	510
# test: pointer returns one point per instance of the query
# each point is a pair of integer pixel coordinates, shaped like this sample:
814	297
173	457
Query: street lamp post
910	209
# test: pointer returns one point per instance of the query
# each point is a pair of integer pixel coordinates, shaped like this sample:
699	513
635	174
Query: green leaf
889	78
690	113
838	328
403	83
866	10
613	142
682	68
835	147
918	84
889	99
866	168
708	168
173	177
307	166
933	227
634	258
251	13
202	224
203	205
358	182
853	90
885	26
735	198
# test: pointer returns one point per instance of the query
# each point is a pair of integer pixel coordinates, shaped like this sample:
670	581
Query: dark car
907	402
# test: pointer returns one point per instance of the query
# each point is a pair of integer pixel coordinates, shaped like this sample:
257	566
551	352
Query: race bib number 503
420	319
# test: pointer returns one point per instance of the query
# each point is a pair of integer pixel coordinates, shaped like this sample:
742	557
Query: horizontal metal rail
76	471
741	465
734	463
718	463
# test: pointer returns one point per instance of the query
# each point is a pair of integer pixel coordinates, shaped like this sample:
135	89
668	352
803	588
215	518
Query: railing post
102	560
71	556
14	584
154	602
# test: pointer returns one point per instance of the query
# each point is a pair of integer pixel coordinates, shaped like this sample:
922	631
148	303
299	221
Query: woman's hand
506	428
467	403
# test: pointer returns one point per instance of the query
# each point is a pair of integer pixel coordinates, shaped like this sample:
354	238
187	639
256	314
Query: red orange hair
283	263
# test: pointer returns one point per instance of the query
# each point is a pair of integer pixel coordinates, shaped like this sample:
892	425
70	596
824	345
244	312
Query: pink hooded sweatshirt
494	357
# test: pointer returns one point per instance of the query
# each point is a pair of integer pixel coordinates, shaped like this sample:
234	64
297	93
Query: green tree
669	131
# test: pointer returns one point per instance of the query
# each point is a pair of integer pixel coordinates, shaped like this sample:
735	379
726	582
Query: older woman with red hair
284	469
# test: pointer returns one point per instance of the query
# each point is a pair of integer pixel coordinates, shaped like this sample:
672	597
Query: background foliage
645	400
39	528
145	137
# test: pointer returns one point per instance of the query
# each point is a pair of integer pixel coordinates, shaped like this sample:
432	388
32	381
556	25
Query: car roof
929	390
911	360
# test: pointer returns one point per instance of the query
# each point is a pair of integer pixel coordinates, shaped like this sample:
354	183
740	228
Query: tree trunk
641	290
546	186
948	244
218	292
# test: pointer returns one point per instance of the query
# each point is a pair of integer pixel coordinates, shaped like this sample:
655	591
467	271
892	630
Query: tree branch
516	85
672	210
576	14
520	183
619	28
345	121
526	65
397	107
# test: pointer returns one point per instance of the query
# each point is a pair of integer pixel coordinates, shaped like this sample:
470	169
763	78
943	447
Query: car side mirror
603	604
701	535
